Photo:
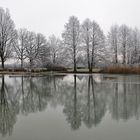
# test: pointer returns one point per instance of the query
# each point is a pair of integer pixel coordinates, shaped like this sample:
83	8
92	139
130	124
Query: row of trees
82	45
124	43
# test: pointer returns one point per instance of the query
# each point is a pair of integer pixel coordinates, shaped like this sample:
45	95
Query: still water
70	107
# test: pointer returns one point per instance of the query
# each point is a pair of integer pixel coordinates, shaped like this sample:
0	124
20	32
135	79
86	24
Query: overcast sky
49	16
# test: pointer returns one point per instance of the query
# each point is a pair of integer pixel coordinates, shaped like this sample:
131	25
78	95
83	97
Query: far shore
45	71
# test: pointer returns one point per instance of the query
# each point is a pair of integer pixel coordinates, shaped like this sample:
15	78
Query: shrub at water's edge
121	70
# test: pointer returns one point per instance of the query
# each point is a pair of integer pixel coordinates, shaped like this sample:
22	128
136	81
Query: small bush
56	68
19	70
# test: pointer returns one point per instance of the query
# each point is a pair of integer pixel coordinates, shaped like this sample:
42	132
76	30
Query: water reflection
72	107
9	108
85	99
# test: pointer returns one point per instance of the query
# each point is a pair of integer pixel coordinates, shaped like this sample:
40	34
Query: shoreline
41	74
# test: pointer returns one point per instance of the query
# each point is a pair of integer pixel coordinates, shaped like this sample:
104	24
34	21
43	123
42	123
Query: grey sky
49	16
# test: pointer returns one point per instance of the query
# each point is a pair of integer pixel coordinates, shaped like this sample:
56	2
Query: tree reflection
95	108
115	102
125	115
84	100
125	100
37	94
88	108
8	109
73	109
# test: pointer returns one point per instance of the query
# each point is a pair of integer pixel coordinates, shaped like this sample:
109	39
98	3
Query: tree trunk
88	57
116	55
2	62
21	64
54	57
124	54
31	64
92	58
74	59
75	67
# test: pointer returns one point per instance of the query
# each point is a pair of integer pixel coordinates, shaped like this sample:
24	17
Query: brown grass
122	70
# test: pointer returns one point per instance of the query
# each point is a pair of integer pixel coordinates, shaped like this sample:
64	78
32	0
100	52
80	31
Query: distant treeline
82	45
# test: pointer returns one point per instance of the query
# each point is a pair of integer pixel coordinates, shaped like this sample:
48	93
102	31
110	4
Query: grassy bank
26	72
45	70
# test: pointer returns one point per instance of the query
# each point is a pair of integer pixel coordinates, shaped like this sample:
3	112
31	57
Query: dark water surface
80	107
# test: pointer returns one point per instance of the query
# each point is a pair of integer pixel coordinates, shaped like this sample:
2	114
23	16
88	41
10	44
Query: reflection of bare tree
72	108
95	108
136	91
88	109
125	100
137	101
36	96
115	102
88	119
8	110
84	99
125	115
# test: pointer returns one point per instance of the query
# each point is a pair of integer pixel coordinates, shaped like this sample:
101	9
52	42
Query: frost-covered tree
44	56
56	47
20	48
71	37
32	47
124	34
135	51
97	44
113	42
124	42
86	32
8	35
43	51
93	41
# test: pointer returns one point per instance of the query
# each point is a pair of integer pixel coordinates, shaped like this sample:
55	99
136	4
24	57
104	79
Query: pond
70	107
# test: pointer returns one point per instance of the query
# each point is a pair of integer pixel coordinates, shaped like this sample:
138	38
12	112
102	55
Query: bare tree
86	31
113	42
135	51
32	48
20	48
8	35
123	40
98	40
71	37
43	53
93	41
55	45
